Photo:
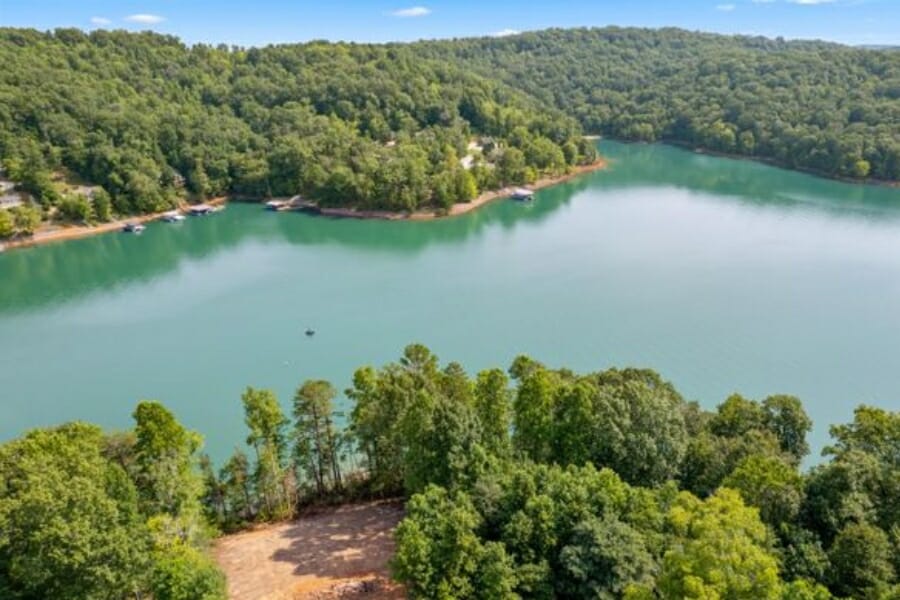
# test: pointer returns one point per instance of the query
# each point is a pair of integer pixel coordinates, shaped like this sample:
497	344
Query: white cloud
100	21
145	19
412	11
506	32
763	1
725	7
811	2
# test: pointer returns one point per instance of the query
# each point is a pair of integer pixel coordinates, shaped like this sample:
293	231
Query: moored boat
199	210
522	194
133	228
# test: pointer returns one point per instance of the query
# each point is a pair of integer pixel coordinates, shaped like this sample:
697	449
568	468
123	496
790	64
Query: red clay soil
337	553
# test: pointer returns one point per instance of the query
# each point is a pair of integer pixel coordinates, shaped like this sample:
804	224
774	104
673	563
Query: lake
723	275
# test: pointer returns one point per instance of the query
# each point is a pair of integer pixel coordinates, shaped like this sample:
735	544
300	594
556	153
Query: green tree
861	483
76	208
575	424
198	181
805	590
184	573
442	433
379	404
439	554
720	550
213	498
27	219
746	143
511	168
7	224
533	415
738	429
496	575
785	417
736	416
874	431
843	491
317	443
860	561
38	182
770	485
102	205
802	554
164	457
604	558
861	169
465	185
493	403
416	424
240	503
266	422
69	525
640	432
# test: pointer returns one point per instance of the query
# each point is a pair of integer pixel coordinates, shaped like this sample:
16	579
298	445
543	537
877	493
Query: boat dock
292	203
200	210
522	194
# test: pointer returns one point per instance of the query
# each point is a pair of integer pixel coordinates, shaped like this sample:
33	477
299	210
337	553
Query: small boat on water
173	216
133	228
276	205
310	332
522	194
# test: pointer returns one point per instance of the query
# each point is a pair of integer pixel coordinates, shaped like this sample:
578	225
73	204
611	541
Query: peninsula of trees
151	120
532	482
144	120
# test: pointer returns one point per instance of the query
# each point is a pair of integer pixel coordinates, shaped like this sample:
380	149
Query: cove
723	275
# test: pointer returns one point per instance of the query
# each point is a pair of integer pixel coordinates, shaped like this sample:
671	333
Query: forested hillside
151	120
529	483
812	105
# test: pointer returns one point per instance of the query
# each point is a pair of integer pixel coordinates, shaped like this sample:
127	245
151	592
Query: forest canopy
824	107
529	482
149	120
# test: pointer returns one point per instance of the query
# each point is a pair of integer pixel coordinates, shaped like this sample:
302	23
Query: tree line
818	106
150	121
90	515
529	482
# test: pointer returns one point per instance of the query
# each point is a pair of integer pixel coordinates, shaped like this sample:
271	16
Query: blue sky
259	22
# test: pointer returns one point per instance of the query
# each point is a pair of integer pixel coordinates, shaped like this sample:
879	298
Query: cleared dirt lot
336	553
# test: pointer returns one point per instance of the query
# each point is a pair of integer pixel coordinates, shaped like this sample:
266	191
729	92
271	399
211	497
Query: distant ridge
152	121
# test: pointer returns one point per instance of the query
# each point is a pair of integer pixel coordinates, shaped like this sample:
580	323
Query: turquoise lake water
723	275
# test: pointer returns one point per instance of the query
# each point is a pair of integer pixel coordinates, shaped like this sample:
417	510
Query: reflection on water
746	181
723	275
36	277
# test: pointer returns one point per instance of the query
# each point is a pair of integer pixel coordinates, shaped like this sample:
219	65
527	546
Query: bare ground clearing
335	553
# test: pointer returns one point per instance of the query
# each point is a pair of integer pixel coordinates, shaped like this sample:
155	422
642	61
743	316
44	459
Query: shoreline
459	208
771	162
61	233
